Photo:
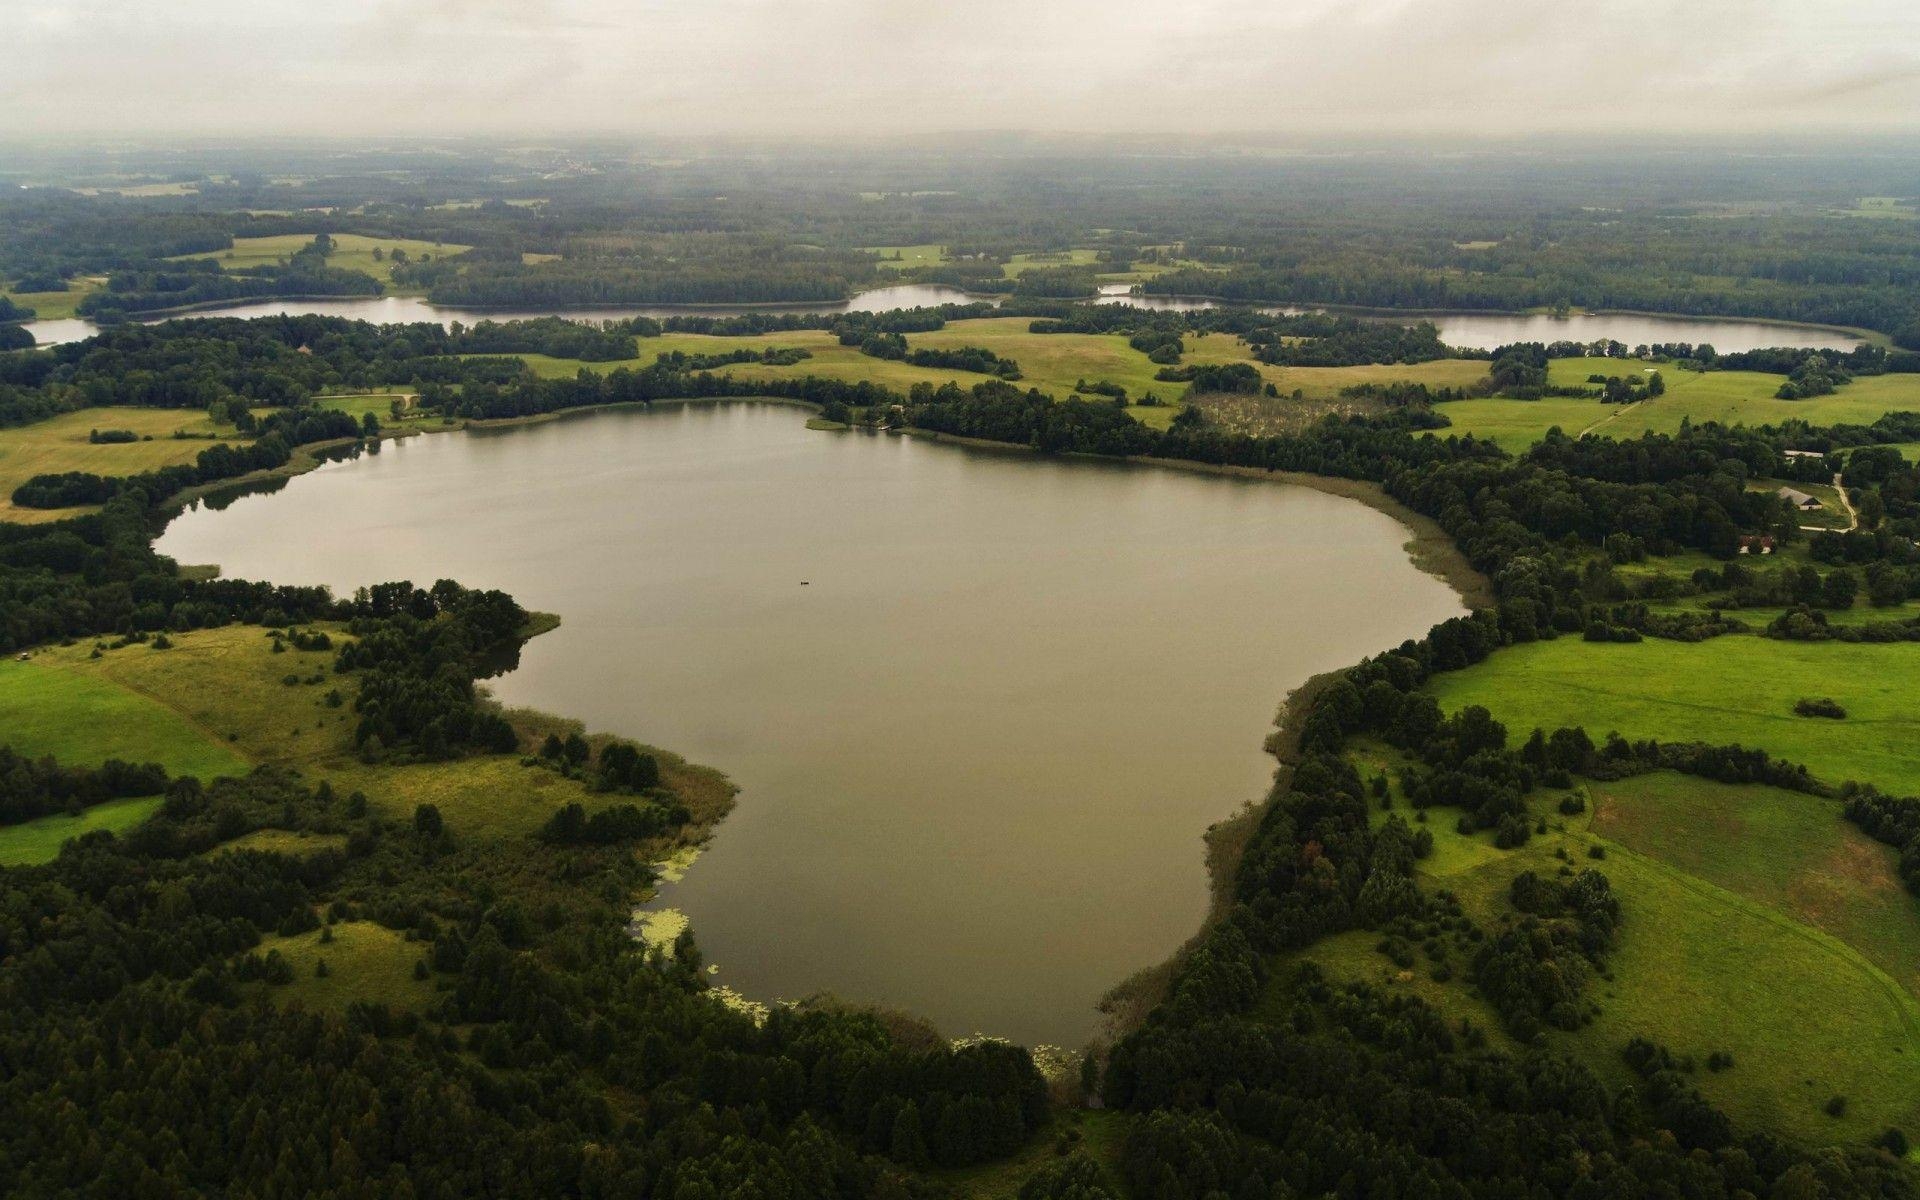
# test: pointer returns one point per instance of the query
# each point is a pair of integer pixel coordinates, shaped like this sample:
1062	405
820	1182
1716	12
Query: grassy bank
222	701
1756	923
1739	688
59	444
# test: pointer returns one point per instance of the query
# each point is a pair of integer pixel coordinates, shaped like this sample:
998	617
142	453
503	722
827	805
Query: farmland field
352	252
60	444
1730	397
220	700
1051	362
1735	689
1713	879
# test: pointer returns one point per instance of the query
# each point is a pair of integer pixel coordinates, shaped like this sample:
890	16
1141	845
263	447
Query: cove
981	706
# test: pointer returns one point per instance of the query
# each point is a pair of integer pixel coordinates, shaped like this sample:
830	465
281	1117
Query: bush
1822	707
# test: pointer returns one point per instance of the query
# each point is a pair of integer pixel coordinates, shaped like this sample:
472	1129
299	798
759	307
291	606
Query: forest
1718	236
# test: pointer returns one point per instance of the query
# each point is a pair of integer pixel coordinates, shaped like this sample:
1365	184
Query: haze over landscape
1301	69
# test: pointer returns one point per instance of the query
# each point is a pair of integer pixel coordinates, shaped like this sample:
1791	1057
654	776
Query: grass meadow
1729	397
60	444
49	306
364	961
1734	689
1756	921
1053	363
218	703
351	252
40	840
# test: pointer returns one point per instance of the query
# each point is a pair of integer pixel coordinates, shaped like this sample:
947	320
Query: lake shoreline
1127	1004
1430	548
1870	336
1225	838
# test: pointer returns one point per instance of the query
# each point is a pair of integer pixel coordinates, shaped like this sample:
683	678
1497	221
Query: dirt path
1853	514
1615	415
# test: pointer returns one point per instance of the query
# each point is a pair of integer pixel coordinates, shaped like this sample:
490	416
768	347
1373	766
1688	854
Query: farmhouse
1800	500
1804	453
1756	543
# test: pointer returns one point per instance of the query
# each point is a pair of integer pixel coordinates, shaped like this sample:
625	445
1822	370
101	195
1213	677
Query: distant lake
981	706
388	310
1479	331
1487	331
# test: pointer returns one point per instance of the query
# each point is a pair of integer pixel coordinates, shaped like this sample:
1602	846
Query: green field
222	693
48	306
1794	853
931	255
352	252
1755	921
40	840
364	961
60	444
82	718
1730	397
380	404
83	721
1020	264
1735	689
283	841
1098	1133
1053	363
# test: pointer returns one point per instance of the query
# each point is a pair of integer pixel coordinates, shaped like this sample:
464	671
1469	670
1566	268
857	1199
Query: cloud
850	67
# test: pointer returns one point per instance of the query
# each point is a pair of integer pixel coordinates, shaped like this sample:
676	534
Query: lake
1489	331
1478	331
980	706
389	310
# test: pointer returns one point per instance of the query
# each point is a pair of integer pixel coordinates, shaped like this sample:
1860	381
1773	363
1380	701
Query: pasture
39	841
226	691
351	252
83	720
1734	689
1755	921
49	306
52	705
364	961
1729	397
1051	362
1020	264
60	444
929	255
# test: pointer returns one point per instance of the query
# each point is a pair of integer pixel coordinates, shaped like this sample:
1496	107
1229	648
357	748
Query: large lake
976	750
1489	331
390	310
1478	331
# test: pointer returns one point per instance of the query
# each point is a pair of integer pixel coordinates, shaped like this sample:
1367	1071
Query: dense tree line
695	269
125	999
41	787
281	433
418	652
772	356
158	286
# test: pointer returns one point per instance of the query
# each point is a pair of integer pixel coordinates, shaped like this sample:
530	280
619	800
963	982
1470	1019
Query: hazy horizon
1305	69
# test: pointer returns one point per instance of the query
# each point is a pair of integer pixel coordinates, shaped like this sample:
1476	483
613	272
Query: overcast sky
833	67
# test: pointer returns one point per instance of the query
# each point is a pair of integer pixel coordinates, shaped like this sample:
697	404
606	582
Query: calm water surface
389	310
976	750
1488	331
1482	331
